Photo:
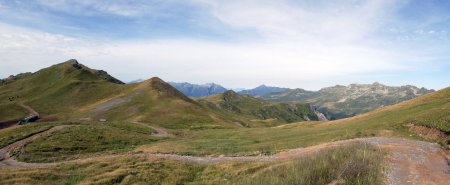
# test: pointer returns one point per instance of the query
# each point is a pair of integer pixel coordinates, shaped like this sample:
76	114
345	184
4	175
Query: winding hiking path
410	162
160	132
7	153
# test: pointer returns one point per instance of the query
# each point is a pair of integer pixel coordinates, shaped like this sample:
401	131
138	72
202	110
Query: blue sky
308	44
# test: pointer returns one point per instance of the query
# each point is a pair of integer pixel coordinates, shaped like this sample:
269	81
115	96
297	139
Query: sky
306	44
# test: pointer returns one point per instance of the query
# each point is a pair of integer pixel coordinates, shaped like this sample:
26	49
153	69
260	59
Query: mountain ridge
344	101
195	90
262	90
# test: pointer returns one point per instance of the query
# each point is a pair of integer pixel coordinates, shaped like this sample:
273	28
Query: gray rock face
194	90
320	116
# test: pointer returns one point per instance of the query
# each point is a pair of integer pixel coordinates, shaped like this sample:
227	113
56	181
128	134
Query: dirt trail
160	132
29	109
410	162
414	162
7	153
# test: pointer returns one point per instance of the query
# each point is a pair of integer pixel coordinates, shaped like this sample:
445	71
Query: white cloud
232	64
344	21
298	46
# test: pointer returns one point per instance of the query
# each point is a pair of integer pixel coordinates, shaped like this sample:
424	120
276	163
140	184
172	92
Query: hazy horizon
237	44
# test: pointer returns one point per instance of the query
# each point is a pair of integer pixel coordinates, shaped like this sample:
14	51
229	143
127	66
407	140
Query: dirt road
410	162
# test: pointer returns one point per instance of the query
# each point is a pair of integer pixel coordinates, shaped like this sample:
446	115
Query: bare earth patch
428	133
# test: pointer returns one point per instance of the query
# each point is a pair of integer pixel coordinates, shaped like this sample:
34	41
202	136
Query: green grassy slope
72	91
391	121
431	110
83	139
154	101
60	90
253	111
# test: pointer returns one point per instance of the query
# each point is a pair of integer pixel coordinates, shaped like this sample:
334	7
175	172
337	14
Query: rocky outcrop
320	116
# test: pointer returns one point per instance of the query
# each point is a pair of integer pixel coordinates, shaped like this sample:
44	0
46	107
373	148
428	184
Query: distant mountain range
262	90
335	102
345	101
194	90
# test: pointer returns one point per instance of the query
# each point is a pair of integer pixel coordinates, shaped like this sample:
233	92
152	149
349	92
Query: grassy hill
431	110
72	91
57	91
256	112
154	101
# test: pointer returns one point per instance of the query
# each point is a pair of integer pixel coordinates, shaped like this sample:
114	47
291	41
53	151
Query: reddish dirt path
415	162
410	162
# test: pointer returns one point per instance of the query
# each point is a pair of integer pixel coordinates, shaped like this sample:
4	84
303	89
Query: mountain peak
164	89
75	70
194	90
261	86
262	90
72	63
230	92
230	95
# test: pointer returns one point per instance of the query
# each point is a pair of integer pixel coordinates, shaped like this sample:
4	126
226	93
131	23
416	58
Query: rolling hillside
431	112
257	110
72	91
